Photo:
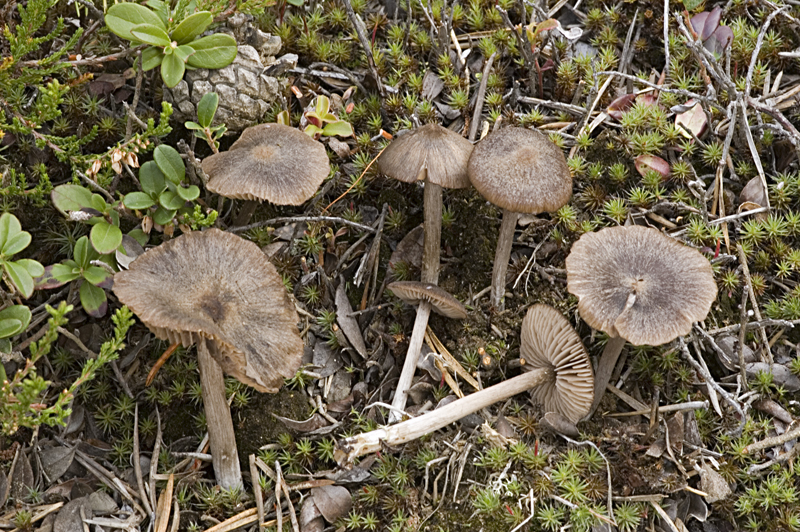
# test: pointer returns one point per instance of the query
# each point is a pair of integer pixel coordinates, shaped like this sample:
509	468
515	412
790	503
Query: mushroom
639	285
217	290
520	171
268	162
439	157
432	297
560	369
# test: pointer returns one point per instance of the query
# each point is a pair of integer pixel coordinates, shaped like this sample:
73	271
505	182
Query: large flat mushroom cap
218	286
549	341
431	151
413	292
521	170
639	284
269	162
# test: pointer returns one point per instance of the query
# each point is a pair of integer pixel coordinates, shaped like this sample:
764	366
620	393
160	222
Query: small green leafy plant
79	204
83	266
206	109
321	122
19	273
171	34
162	190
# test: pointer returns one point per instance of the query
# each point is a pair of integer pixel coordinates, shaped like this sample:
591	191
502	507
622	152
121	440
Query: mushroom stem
501	256
432	205
410	365
605	367
369	442
244	213
218	420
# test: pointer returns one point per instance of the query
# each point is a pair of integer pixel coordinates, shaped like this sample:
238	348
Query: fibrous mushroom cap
521	170
549	341
413	292
269	162
430	152
218	286
639	284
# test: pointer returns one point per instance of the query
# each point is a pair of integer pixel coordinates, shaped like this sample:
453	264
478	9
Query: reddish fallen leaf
333	501
645	163
616	108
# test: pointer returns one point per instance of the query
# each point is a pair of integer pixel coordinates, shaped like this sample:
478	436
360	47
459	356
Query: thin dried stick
774	441
358	25
754	301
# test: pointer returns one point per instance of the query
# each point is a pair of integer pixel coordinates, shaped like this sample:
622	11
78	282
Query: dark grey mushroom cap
639	284
549	341
430	152
217	286
521	170
413	292
269	162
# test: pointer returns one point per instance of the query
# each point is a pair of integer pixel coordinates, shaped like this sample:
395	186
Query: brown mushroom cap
430	152
521	170
221	287
269	162
413	292
639	284
549	341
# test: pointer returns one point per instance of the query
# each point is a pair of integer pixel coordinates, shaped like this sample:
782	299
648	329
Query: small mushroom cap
218	286
639	284
413	292
521	170
269	162
430	152
549	341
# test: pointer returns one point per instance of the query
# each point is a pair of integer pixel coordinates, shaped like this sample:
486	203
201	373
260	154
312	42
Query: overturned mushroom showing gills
268	162
520	171
639	285
217	290
562	373
427	296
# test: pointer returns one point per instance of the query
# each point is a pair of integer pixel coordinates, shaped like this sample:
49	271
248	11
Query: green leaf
213	51
190	193
169	161
81	252
96	275
5	347
93	300
206	108
16	313
122	18
138	200
149	34
171	200
16	243
20	277
105	237
192	26
9	228
295	3
151	178
322	106
172	70
33	267
340	128
99	204
71	197
140	236
163	216
184	51
161	8
58	275
194	125
152	56
9	327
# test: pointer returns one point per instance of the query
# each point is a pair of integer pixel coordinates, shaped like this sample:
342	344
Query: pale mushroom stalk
370	442
221	438
432	207
410	365
501	257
